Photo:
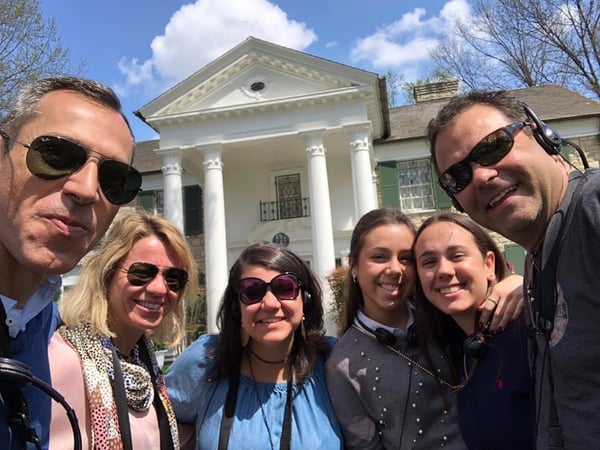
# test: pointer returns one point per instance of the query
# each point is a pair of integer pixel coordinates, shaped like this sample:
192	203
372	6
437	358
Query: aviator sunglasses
52	157
490	150
285	287
141	273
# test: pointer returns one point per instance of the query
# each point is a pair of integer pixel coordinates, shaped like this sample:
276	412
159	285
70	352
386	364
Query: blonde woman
130	291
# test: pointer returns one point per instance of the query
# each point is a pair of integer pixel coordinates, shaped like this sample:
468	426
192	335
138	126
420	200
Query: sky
141	48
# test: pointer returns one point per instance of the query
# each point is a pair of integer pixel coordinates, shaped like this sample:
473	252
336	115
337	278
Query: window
411	186
289	196
414	184
153	201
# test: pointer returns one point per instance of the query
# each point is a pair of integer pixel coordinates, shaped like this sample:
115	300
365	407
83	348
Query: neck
395	319
466	320
17	282
123	340
270	363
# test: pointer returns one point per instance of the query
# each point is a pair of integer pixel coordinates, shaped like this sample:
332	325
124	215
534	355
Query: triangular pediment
256	72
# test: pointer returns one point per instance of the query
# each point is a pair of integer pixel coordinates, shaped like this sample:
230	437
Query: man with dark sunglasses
65	168
502	166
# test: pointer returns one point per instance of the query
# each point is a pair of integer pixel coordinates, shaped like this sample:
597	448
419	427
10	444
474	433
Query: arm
358	427
508	294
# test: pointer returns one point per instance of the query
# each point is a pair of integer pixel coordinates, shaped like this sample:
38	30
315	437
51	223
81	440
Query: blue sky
142	47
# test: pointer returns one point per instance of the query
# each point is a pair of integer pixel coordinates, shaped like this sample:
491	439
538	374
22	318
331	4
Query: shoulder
197	360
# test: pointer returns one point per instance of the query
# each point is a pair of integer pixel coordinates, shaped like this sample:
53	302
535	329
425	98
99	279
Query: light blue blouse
199	398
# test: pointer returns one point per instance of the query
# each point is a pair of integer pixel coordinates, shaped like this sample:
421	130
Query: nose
482	175
158	285
445	268
82	186
269	301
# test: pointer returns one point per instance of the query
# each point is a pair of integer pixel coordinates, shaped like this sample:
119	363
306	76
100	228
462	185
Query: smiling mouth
389	287
450	289
271	320
493	202
150	306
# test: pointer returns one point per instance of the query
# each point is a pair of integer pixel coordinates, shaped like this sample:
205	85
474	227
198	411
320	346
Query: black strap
14	401
166	440
286	433
229	412
121	402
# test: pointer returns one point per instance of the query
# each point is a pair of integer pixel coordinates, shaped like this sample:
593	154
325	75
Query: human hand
507	299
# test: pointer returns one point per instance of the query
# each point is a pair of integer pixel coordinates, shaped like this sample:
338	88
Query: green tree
520	43
29	47
393	87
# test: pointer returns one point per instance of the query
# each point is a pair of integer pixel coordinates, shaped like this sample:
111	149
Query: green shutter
192	209
515	254
388	184
441	198
147	200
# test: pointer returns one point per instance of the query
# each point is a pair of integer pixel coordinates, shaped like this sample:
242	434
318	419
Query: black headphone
544	135
14	375
476	346
386	337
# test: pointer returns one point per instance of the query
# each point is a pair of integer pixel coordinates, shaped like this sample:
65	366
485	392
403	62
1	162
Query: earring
244	337
353	277
302	329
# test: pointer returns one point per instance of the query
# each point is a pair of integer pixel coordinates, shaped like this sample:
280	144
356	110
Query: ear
489	263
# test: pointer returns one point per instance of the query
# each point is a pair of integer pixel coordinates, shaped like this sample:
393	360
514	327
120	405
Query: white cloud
202	31
404	44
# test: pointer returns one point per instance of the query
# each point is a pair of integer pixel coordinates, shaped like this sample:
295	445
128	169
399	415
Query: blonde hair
88	300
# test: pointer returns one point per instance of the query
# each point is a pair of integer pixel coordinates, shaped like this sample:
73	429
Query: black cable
579	151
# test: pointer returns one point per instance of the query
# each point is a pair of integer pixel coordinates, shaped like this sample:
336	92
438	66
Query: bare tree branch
519	43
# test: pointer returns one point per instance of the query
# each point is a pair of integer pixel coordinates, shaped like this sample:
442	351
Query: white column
172	194
215	242
362	173
322	229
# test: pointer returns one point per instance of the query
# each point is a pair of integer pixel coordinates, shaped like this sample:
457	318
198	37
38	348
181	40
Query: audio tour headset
546	137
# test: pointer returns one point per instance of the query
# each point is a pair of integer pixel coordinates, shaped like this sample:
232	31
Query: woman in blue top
260	384
458	265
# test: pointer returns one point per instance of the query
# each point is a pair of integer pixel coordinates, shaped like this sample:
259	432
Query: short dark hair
500	100
368	222
281	259
24	108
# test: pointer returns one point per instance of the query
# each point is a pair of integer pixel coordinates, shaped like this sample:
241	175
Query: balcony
285	209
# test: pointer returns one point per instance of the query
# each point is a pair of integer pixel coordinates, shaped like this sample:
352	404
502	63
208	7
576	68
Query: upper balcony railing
285	209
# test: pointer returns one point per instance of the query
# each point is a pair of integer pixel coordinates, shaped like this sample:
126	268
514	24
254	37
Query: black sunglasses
141	273
490	150
52	157
285	287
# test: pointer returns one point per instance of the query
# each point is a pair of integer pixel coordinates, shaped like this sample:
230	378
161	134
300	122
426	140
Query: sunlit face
454	274
385	272
270	321
48	225
516	196
135	309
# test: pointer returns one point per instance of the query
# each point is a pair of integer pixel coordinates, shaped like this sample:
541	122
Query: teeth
450	289
501	195
151	306
272	320
389	287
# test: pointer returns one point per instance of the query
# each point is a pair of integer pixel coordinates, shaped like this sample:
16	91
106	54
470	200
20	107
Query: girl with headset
385	393
458	264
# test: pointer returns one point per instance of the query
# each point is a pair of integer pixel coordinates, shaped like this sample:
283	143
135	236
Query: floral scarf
97	365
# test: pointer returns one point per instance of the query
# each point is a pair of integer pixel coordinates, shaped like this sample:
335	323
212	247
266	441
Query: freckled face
385	271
